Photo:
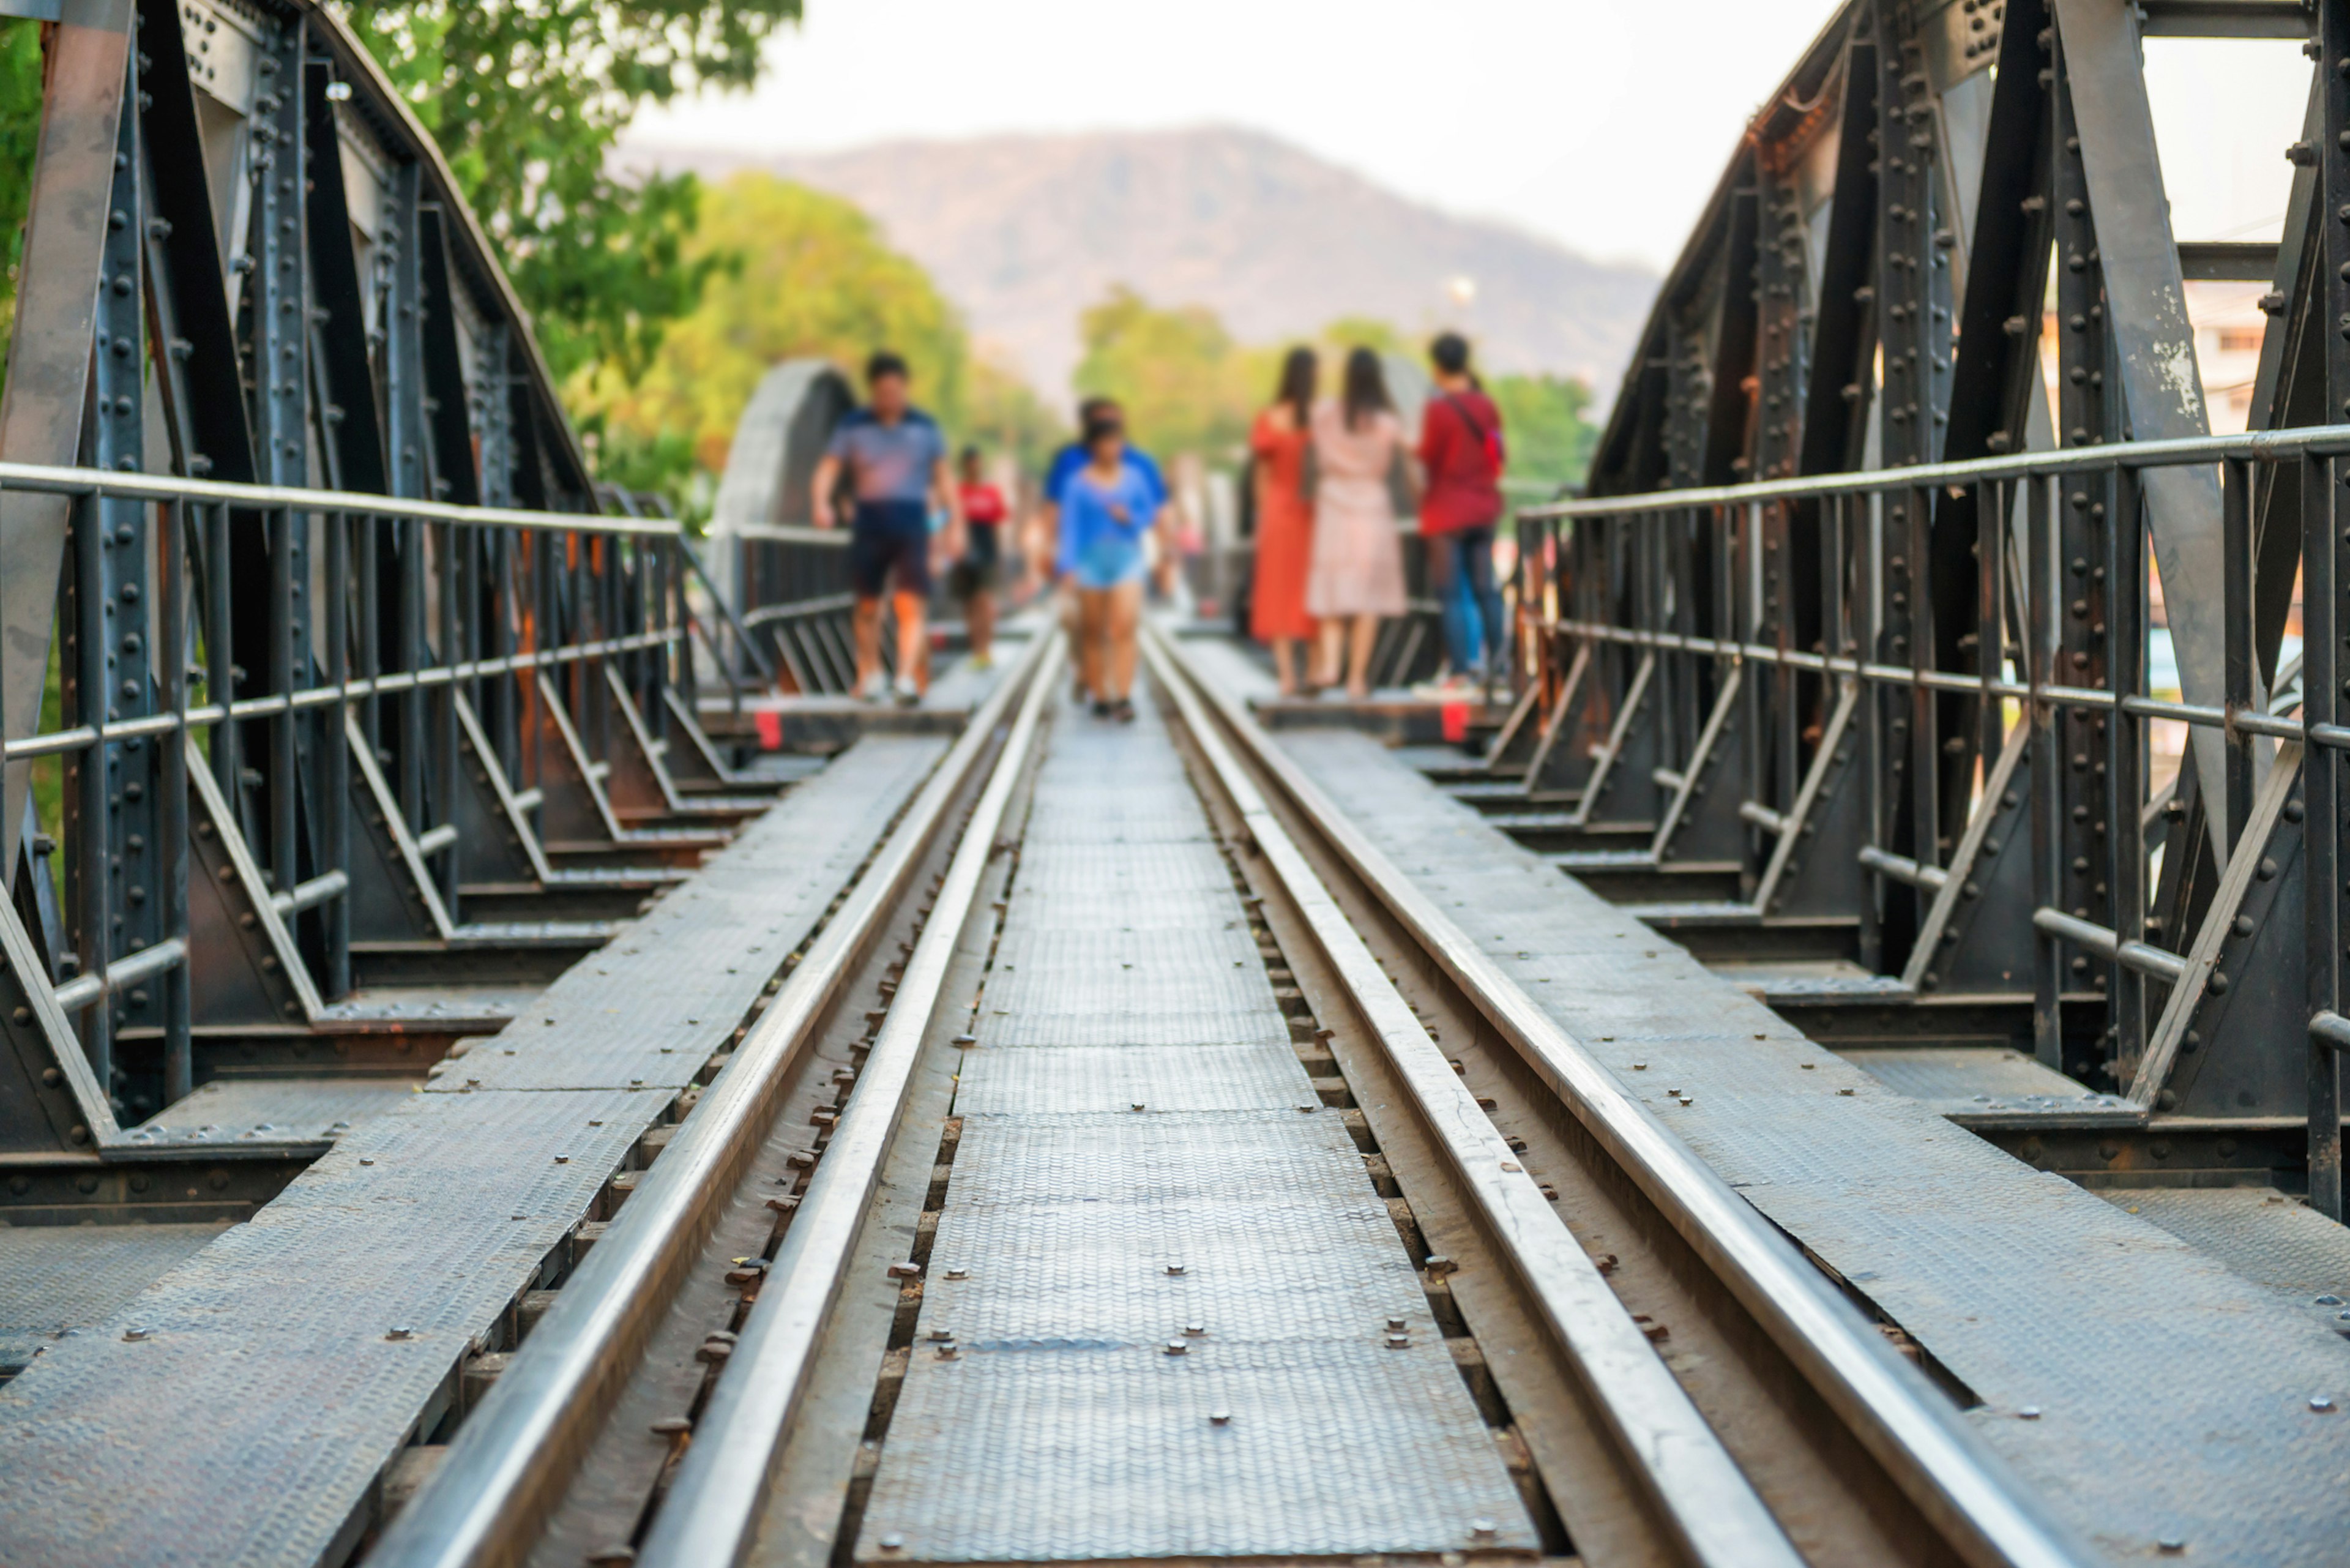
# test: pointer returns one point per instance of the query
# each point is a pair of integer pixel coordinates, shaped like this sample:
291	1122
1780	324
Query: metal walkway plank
250	1398
2033	1293
1165	1273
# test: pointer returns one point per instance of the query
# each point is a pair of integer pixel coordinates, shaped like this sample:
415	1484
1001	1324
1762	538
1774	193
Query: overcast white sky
1599	124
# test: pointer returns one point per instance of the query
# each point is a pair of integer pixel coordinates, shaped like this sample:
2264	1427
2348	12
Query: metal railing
1911	706
329	714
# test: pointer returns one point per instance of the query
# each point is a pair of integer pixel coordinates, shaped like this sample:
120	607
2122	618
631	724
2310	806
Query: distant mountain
1024	232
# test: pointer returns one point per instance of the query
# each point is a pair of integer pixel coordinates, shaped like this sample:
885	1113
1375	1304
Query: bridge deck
1167	1314
290	1359
2171	1396
1173	1293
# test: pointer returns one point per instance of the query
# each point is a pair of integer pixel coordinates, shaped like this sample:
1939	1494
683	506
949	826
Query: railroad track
1648	1371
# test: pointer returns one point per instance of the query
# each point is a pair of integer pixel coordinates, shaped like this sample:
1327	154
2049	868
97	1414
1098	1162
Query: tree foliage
20	135
1185	384
526	98
1006	414
804	274
1551	438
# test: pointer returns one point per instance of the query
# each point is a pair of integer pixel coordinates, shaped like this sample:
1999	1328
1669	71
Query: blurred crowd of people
1329	553
1097	530
1330	473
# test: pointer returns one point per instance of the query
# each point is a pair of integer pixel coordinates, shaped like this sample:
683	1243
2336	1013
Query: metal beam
2154	344
48	351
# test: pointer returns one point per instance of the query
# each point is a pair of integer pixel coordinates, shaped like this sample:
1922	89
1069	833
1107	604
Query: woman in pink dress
1358	570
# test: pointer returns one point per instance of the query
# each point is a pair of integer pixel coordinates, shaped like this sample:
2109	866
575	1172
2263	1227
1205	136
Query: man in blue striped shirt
894	459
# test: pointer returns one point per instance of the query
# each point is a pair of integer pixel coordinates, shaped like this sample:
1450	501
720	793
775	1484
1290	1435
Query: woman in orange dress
1285	519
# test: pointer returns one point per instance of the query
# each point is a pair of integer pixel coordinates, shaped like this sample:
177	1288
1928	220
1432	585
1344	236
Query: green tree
796	274
1005	413
1185	385
20	135
1550	438
1364	332
526	98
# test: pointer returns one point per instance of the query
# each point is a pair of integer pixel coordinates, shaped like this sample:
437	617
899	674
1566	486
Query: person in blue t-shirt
1073	456
894	459
1106	506
1066	461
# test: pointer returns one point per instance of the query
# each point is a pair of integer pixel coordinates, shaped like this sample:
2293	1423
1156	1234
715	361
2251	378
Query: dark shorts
889	538
982	567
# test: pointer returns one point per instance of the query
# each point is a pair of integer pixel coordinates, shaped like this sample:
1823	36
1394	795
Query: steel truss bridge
504	1063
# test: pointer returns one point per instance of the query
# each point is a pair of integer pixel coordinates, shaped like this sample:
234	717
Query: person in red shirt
1460	450
975	578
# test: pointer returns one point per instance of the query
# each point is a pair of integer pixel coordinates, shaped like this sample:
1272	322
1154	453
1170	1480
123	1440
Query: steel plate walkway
1167	1313
293	1358
2099	1350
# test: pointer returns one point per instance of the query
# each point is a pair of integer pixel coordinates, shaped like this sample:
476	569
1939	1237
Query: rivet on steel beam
2321	1402
908	1270
1220	1417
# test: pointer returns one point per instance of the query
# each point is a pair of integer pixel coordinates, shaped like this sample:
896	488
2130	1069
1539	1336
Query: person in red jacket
1460	450
976	578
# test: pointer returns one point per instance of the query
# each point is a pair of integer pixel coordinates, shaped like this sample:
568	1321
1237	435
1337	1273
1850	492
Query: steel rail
2255	446
1705	1500
1963	1490
84	736
1958	683
714	1506
514	1456
798	609
98	482
790	534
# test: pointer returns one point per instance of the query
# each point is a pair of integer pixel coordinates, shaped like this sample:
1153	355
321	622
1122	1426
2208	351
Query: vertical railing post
456	540
85	687
335	753
2040	651
283	784
368	632
2238	665
1868	615
2325	574
170	876
2125	792
413	576
220	653
2325	569
1925	749
1991	620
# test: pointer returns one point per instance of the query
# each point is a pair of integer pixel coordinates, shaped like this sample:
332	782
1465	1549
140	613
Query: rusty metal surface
269	1383
1081	1236
2275	1240
2034	1293
1980	1085
56	1280
230	1111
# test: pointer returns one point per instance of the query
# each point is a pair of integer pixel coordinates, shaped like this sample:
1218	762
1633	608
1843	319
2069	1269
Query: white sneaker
908	694
876	687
